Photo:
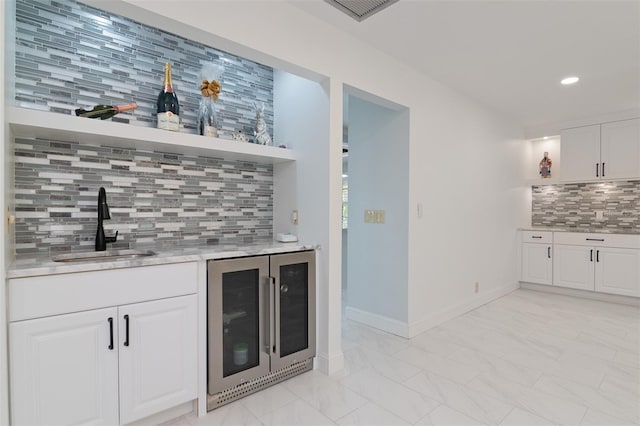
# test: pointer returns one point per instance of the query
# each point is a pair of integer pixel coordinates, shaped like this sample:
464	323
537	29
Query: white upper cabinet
620	149
580	151
607	151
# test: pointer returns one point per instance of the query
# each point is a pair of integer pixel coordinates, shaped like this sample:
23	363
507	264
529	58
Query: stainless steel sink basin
102	255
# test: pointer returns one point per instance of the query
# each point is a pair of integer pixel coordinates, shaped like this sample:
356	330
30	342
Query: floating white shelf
28	123
540	182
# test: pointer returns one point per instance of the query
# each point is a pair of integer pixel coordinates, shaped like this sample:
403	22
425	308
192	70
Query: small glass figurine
261	132
545	166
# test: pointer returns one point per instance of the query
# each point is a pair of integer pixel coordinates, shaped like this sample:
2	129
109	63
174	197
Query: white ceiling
511	55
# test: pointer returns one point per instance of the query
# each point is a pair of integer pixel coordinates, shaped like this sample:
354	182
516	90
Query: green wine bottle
168	111
104	112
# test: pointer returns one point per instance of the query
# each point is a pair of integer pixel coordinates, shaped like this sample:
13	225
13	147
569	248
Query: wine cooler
261	323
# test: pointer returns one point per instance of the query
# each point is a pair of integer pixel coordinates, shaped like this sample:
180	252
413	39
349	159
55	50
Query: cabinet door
238	323
618	271
294	293
580	153
158	356
537	264
64	370
573	266
620	149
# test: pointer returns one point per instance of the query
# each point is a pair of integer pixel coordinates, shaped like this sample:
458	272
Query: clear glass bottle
207	120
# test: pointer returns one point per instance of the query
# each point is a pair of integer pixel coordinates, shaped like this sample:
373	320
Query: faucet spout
103	214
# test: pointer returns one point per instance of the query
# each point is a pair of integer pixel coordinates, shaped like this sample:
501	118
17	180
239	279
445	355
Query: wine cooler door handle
266	328
272	315
126	330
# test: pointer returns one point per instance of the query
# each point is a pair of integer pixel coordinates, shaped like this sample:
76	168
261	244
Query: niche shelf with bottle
31	123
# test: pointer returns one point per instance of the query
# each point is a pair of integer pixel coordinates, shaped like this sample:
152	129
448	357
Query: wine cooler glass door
238	334
294	287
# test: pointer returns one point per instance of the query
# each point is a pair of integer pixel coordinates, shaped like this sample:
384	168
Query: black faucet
103	214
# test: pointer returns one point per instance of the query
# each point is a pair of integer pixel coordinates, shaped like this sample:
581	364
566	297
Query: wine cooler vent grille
244	389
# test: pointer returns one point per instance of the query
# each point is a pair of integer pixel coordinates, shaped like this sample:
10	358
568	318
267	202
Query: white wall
301	117
378	180
6	12
471	192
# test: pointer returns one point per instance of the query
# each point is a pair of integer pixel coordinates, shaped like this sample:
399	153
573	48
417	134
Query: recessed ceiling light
545	138
569	80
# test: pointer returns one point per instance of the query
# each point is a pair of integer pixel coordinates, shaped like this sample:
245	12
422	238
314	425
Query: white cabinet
573	267
607	151
620	149
580	151
75	361
618	271
64	369
158	356
597	262
537	259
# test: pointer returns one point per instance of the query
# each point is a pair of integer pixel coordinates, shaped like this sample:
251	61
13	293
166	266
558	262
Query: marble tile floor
528	358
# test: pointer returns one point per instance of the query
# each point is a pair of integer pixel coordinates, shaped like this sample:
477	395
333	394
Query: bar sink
102	255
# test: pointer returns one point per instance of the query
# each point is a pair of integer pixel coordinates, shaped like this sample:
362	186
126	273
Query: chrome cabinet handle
267	317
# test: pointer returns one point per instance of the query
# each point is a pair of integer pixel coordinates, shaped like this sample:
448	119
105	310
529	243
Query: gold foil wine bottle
168	106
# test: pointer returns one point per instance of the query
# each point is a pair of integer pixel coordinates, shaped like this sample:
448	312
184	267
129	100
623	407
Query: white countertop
43	265
593	230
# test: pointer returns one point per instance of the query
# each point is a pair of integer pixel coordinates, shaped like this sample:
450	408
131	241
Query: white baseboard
329	365
437	318
380	322
166	415
585	294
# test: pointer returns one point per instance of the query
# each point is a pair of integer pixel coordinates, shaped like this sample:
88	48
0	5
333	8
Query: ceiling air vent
361	9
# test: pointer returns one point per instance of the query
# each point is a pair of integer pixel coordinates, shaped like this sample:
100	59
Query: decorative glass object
210	89
261	131
545	166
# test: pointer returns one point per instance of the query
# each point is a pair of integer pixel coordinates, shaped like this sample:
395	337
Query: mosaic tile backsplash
573	206
70	55
155	199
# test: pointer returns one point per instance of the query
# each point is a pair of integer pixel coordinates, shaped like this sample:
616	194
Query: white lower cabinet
158	356
618	271
109	365
106	366
537	264
573	267
62	370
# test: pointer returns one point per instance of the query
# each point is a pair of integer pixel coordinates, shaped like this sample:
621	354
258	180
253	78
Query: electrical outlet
599	215
369	216
294	217
379	216
477	287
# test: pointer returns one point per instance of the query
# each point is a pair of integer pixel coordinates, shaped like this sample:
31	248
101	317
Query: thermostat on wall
286	238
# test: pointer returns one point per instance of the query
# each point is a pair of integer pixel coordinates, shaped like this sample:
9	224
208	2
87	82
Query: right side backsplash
573	206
